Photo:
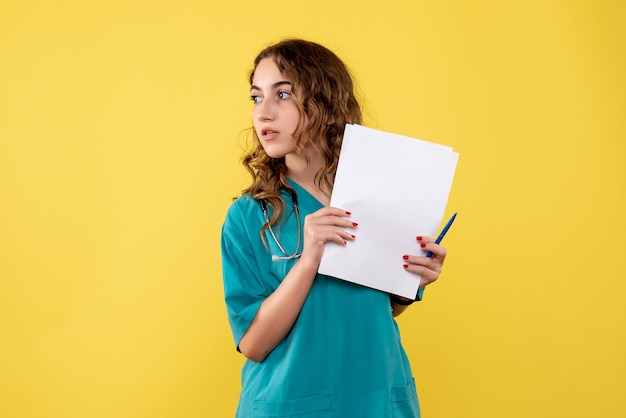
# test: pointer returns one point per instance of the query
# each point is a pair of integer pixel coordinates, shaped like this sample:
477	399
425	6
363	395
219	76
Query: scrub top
343	357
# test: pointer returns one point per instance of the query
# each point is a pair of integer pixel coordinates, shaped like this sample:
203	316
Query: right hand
325	225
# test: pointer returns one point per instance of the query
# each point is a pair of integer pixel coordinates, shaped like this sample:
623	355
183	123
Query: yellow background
120	134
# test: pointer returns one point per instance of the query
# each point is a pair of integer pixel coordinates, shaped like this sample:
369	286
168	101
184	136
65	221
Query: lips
268	134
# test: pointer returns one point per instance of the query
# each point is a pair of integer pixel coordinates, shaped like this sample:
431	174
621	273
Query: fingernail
406	257
406	266
348	213
355	224
422	245
419	238
353	236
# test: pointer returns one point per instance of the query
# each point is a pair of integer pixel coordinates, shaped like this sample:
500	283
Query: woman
316	346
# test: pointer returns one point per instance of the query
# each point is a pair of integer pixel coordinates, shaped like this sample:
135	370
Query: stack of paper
396	188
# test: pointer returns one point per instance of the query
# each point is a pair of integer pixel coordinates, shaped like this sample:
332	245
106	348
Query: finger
427	275
438	252
336	234
421	260
325	233
424	239
427	244
420	264
423	265
330	211
335	220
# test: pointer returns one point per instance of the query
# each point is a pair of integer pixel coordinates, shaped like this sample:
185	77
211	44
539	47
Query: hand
428	267
325	225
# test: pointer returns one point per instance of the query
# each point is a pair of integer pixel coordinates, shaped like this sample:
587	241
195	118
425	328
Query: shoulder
244	214
242	206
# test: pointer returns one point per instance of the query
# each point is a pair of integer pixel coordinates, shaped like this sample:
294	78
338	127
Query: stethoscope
286	255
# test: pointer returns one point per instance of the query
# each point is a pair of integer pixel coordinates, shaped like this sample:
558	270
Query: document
396	188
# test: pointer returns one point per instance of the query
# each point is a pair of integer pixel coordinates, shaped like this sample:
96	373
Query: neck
304	173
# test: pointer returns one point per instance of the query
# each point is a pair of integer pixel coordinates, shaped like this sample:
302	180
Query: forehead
267	73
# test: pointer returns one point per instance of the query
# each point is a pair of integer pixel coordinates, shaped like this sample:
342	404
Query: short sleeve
244	290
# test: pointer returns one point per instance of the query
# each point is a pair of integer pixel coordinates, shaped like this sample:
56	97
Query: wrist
308	265
401	300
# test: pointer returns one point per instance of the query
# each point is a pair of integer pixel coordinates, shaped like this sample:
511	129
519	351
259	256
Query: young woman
316	346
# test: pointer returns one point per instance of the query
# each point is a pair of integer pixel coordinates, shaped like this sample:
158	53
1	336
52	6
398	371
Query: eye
255	98
284	95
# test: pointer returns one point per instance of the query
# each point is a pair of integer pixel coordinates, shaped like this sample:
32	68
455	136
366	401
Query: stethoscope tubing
286	255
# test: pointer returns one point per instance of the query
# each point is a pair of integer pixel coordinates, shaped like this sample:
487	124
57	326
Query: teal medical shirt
343	357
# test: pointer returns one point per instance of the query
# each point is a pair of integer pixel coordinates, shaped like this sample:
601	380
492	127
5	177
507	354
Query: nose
264	111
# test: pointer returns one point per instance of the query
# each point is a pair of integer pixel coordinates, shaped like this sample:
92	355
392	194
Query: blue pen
420	291
443	233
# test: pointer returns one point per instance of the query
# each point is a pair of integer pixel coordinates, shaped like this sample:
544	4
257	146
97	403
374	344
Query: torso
343	357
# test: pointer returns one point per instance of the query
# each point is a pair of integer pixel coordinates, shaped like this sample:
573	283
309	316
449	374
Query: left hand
428	267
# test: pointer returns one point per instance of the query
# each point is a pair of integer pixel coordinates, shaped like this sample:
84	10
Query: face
275	115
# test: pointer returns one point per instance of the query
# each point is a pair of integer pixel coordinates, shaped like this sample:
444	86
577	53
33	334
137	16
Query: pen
420	291
443	233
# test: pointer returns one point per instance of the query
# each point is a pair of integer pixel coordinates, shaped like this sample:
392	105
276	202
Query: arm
428	267
279	311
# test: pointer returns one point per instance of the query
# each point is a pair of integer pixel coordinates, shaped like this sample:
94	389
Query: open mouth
268	133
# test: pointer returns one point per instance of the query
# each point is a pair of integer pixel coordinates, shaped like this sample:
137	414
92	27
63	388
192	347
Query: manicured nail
419	238
406	257
353	236
422	245
406	266
348	213
355	224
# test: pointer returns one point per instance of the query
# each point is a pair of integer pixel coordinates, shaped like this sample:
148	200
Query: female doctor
315	346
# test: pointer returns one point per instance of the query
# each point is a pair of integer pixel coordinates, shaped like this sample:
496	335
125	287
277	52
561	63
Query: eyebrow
274	86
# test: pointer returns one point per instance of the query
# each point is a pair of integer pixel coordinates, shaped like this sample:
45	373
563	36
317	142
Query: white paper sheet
396	188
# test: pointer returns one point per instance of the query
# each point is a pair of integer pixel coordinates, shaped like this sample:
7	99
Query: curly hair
326	102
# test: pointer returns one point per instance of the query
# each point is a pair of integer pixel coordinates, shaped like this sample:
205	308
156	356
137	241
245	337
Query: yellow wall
120	136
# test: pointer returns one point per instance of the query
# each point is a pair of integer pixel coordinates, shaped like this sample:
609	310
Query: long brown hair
326	101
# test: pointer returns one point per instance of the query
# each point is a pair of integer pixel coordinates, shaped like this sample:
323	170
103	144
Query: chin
277	152
275	155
